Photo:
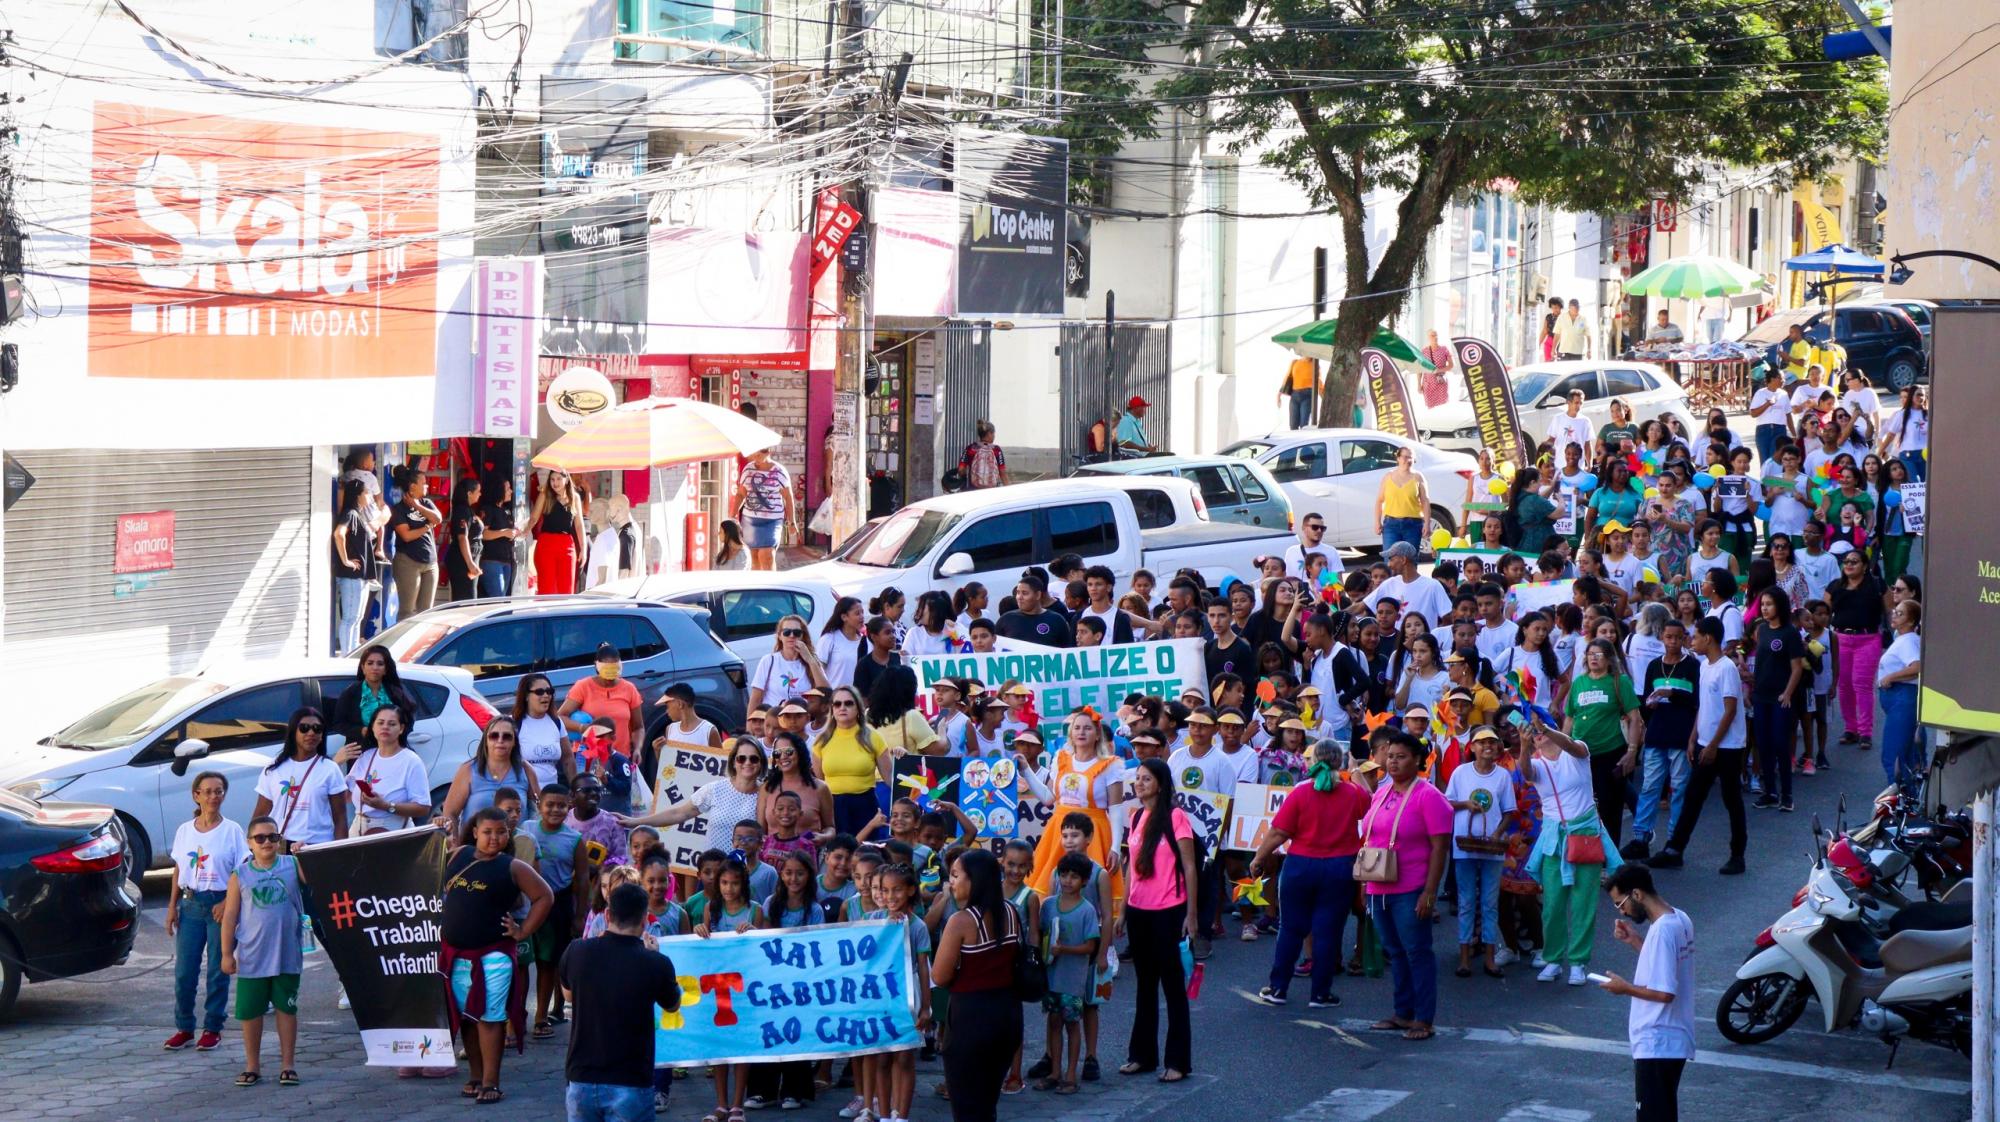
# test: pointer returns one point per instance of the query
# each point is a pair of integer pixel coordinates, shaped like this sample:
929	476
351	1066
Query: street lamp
1899	272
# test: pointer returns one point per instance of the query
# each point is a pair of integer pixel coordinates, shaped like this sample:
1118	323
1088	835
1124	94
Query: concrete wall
1942	180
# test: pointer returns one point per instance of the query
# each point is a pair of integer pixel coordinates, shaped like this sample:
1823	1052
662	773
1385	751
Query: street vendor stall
1715	374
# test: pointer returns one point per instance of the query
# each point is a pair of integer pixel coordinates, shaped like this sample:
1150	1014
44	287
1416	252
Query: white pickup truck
1128	523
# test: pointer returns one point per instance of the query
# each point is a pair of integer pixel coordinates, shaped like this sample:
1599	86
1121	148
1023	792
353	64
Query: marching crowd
1619	641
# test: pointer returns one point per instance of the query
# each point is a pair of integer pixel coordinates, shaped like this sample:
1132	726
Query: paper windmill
1249	890
1524	685
926	786
596	748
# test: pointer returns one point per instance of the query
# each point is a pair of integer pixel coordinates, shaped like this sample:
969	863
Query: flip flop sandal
1172	1076
470	1090
544	1030
1419	1034
1495	972
249	1079
1013	1087
1463	972
490	1095
1388	1024
1047	1083
1133	1068
288	1078
1068	1088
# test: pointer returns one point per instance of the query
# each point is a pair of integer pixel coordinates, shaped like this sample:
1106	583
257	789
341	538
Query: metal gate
1139	366
968	389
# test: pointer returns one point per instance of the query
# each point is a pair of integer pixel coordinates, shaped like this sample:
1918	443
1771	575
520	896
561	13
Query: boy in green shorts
261	946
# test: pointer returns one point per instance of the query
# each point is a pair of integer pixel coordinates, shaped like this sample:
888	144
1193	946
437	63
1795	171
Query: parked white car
1336	474
137	754
1541	391
744	606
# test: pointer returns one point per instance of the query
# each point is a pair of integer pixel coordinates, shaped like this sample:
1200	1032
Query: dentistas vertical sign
1013	224
594	252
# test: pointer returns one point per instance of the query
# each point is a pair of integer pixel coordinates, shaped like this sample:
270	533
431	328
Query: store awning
1835	258
1315	340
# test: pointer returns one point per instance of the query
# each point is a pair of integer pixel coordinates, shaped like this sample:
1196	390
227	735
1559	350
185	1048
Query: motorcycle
1921	990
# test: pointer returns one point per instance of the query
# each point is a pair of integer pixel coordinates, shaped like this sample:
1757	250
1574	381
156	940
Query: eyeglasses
846	705
262	839
500	738
313	729
541	691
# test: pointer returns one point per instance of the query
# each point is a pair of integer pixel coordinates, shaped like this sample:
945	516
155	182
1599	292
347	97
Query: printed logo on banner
207	264
1387	393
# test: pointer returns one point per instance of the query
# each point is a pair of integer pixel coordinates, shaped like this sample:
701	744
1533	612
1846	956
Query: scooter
1922	990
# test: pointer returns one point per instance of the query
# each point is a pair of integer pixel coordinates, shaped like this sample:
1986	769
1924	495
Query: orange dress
1074	789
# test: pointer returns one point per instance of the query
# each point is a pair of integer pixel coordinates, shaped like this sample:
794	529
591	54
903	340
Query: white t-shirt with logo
542	747
1720	681
1566	430
1295	559
299	790
1212	772
1666	964
205	858
783	679
1498	788
1624	572
1496	640
401	778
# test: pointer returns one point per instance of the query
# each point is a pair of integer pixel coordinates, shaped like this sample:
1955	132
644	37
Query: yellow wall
1943	176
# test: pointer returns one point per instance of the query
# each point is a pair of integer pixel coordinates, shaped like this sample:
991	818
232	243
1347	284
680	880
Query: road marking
1730	1060
1539	1111
1348	1104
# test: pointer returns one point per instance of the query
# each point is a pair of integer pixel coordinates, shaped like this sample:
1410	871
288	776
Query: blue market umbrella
1835	258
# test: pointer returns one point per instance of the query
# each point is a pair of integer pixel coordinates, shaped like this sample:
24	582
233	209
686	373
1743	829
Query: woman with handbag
1159	915
1570	854
1320	818
1405	843
981	959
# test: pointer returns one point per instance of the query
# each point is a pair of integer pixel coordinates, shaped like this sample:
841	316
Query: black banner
1013	228
593	137
1387	393
377	902
1492	400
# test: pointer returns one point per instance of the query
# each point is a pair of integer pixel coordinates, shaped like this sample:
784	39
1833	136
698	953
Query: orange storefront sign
230	248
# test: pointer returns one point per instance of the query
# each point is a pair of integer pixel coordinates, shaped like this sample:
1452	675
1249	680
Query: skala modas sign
245	249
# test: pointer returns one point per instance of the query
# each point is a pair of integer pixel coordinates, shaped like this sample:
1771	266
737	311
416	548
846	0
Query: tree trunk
1359	320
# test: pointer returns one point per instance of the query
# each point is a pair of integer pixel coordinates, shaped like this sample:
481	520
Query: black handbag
1031	974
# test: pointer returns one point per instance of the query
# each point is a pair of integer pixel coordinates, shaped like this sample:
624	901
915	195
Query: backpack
983	466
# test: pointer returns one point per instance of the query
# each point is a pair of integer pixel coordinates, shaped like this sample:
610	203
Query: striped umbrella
656	432
1689	277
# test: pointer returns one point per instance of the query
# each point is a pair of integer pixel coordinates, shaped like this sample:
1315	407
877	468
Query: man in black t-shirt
615	982
1670	694
1774	685
1031	621
1228	652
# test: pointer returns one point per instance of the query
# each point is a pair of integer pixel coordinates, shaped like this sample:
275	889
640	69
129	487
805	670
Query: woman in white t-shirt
1908	437
936	631
1559	768
389	784
1896	684
840	644
792	667
544	744
206	850
1424	679
303	789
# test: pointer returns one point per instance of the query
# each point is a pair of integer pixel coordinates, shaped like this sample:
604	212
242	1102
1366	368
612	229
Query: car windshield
410	639
131	718
1248	449
1530	385
900	541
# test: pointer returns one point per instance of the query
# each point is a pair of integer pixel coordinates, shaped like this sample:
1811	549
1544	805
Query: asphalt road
1508	1050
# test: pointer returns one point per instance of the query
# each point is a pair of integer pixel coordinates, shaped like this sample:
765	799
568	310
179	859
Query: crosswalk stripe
1539	1111
1348	1104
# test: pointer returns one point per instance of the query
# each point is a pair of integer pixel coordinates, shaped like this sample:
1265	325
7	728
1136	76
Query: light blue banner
803	993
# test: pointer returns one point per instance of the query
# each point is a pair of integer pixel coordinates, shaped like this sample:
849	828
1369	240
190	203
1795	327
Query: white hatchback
134	754
1542	389
1337	473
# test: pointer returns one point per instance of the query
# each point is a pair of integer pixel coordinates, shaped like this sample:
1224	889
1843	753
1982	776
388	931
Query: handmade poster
1206	812
378	903
989	794
799	993
926	780
1063	680
684	770
1253	807
1566	504
1913	506
1538	595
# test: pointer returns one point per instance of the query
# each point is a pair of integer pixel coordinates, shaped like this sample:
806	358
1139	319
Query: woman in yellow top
852	760
1088	780
1403	505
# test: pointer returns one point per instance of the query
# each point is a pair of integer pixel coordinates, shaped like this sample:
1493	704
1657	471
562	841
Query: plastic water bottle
307	944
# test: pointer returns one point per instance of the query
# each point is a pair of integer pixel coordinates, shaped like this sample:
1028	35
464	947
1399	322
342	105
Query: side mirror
334	743
1553	401
191	749
957	565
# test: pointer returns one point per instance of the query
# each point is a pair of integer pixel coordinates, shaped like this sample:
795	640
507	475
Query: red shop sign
145	542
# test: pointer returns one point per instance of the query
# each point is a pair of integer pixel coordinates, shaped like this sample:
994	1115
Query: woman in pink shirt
1321	818
1412	818
1160	896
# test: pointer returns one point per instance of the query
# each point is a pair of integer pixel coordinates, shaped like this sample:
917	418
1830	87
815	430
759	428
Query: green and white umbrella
1315	340
1687	278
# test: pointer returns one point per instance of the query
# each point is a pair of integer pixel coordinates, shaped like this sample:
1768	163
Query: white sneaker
1578	976
1540	960
1505	957
659	1103
343	1002
852	1108
1550	972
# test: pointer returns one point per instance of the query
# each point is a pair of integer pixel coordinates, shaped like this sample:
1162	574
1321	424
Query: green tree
1586	104
1101	47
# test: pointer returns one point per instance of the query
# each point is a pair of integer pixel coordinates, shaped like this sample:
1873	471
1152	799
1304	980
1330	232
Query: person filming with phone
1661	1027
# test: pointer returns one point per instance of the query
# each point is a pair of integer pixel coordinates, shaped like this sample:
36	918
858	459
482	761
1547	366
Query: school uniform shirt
1236	658
1732	621
1467	785
1776	648
1789	512
1295	559
1666	964
1070	974
837	656
1209	772
401	778
205	858
1420	594
1624	572
1669	723
1820	571
1495	640
1901	653
1720	681
1640	651
299	790
921	642
1780	409
1044	628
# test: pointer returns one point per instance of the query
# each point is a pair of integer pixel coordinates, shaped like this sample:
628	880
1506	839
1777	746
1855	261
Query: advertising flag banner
801	993
1492	398
1063	680
684	770
378	905
1387	393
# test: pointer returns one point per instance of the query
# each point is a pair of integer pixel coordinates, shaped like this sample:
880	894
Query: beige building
1942	180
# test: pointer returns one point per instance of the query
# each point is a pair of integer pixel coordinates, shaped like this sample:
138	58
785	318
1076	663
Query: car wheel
138	851
1902	374
1442	517
10	977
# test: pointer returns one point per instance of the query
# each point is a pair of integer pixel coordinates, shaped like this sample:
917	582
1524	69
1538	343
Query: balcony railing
719	31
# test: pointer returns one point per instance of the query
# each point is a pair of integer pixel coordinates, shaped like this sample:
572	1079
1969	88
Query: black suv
1882	341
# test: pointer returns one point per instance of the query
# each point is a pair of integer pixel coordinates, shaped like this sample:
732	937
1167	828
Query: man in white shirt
1719	737
1413	590
1714	317
1815	563
1312	530
1497	633
1805	395
1572	334
1661	1024
1571	427
1772	409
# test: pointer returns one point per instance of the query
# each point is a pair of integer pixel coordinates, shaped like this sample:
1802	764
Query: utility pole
847	456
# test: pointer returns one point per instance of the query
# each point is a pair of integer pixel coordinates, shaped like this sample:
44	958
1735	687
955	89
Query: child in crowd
1077	830
1070	941
1817	622
730	909
836	876
1482	794
261	947
786	838
596	825
562	861
707	868
747	837
610	879
207	849
508	801
795	904
891	1081
1017	861
642	841
867	863
664	919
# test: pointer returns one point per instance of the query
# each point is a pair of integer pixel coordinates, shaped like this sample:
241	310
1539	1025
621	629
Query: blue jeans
1660	765
1314	895
1302	409
496	578
1402	530
1768	439
1915	462
350	595
1772	726
199	931
608	1102
1406	941
1902	752
1478	900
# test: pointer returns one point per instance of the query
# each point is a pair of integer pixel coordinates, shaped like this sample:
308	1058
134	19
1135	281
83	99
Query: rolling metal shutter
76	635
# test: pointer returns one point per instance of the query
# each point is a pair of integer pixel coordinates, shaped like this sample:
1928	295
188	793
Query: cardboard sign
1065	679
1914	498
1538	595
990	795
1253	806
926	780
684	770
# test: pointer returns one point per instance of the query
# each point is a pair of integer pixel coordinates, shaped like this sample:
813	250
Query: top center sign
1013	224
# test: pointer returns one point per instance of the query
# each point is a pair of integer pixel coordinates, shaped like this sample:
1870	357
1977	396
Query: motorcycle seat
1912	951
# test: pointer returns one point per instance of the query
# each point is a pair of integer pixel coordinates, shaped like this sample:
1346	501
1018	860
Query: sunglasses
314	729
792	633
500	738
541	691
846	705
749	760
262	839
